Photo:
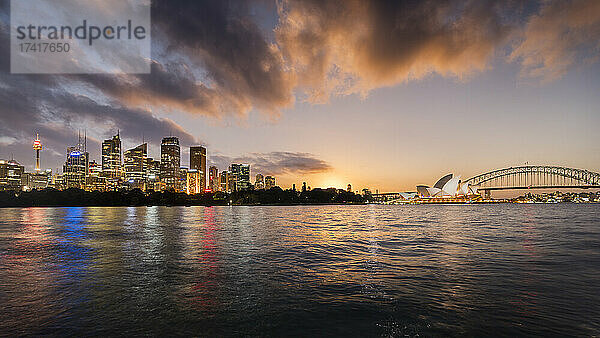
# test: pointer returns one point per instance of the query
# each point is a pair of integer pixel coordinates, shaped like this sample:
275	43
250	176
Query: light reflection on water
305	270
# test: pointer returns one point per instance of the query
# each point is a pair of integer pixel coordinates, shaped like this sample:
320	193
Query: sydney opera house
448	189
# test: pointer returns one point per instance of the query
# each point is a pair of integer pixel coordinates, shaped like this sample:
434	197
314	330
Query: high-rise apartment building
135	166
198	162
170	162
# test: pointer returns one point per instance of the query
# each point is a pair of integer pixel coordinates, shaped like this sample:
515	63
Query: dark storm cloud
276	163
40	103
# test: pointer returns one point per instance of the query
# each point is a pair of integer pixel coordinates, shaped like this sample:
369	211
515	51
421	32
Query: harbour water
371	270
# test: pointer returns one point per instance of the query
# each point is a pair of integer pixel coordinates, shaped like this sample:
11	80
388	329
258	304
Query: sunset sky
382	95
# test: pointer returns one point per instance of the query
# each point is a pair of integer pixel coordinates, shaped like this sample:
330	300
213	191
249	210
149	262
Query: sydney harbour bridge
525	177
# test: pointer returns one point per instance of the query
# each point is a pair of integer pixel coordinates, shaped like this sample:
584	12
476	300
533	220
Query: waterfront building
213	178
135	161
11	173
241	172
449	186
269	182
259	182
170	162
231	182
198	162
112	168
194	182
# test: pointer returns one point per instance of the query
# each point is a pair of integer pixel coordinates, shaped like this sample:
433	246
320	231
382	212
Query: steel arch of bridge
530	176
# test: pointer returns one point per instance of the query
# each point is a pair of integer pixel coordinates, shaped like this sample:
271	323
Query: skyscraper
198	162
259	183
223	181
269	182
213	178
194	179
111	162
135	166
75	168
241	172
10	175
170	161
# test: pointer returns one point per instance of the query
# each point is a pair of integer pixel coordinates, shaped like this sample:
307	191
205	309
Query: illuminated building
11	173
259	182
198	162
449	187
135	166
223	180
75	168
37	146
95	180
241	172
194	182
183	177
111	162
213	178
269	182
37	180
231	182
349	189
152	174
170	162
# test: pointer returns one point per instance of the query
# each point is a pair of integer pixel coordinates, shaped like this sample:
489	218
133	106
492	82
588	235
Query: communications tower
37	146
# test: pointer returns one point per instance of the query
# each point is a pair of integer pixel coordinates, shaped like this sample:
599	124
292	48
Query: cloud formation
342	47
276	163
561	35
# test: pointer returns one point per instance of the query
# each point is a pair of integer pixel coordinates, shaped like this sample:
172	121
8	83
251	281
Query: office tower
95	180
152	174
213	178
135	166
112	167
37	146
11	173
241	172
183	180
269	182
170	161
223	179
75	168
231	182
198	162
194	181
259	182
349	189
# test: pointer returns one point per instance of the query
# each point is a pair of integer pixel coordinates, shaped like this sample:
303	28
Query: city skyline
506	85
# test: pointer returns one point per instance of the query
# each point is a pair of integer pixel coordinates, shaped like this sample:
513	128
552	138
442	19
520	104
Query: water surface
305	270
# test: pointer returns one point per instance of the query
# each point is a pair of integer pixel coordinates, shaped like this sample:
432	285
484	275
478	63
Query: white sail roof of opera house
447	186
